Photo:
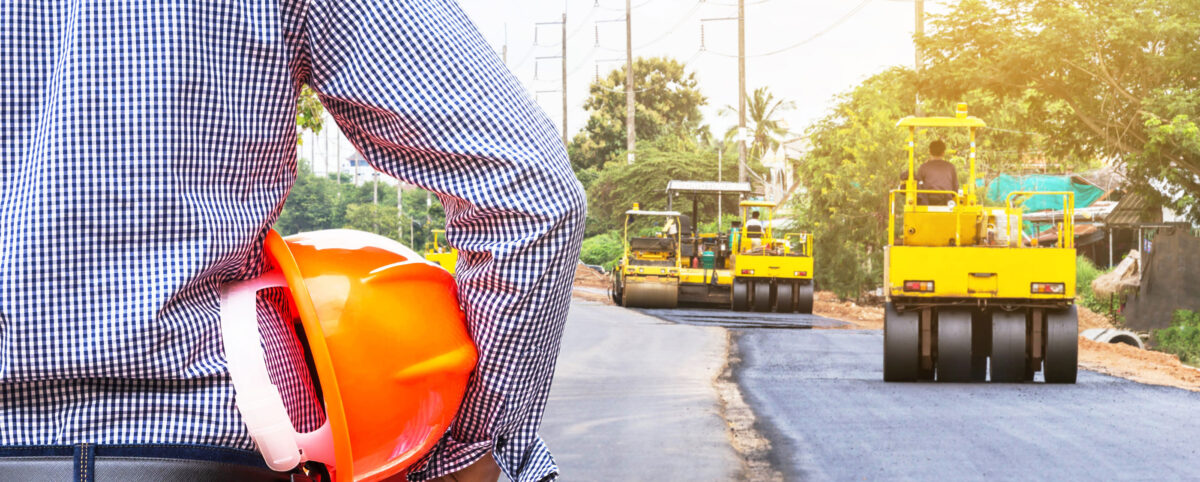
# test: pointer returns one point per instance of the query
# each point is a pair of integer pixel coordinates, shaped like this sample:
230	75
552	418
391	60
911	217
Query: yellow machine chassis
980	272
968	295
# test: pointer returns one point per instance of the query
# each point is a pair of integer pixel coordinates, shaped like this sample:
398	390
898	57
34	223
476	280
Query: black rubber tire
614	290
901	345
1009	357
762	296
1062	345
954	345
740	292
785	300
804	298
981	340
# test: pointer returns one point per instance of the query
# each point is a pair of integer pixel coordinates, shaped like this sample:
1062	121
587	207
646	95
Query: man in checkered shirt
147	147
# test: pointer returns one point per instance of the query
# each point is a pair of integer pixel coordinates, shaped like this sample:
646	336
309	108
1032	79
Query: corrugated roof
1134	209
709	186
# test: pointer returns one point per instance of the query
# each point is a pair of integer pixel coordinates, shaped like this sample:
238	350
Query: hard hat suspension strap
257	399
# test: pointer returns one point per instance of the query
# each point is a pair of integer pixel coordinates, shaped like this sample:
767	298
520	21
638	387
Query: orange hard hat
388	341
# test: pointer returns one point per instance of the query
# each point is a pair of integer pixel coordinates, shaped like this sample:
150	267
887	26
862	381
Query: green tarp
1004	184
1000	187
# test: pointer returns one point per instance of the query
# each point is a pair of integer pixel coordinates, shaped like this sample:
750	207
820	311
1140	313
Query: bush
1182	338
1085	273
602	249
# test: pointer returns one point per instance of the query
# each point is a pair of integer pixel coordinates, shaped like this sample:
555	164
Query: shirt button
501	442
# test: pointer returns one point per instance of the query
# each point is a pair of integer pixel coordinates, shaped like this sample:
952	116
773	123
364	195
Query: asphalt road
820	399
633	399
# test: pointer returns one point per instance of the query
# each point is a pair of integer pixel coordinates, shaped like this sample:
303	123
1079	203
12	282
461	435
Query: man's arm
424	98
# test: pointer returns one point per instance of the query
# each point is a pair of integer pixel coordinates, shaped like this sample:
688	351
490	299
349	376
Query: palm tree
762	111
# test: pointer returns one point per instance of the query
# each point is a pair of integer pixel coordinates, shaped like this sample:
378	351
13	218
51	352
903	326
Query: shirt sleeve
425	99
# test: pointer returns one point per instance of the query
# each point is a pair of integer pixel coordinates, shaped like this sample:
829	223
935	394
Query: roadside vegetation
1182	338
1085	272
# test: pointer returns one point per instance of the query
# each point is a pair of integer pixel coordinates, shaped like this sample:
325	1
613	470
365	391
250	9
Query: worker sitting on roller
935	175
754	229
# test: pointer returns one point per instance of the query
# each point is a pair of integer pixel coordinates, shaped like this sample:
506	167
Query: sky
841	43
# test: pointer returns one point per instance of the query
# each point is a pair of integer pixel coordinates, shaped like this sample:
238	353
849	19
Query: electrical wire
835	24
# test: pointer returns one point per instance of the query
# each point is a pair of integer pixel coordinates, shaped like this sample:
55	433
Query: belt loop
85	462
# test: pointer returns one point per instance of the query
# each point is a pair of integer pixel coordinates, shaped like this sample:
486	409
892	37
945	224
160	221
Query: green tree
380	219
309	111
1113	79
659	161
762	114
667	100
313	204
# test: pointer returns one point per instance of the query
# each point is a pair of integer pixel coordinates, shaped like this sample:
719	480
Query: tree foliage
767	130
1113	79
317	203
659	161
309	112
667	100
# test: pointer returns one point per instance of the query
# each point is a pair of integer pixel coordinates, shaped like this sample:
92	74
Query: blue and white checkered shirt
146	148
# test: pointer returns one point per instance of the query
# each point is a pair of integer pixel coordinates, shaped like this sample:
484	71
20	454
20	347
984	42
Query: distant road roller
768	273
441	254
706	270
965	286
648	274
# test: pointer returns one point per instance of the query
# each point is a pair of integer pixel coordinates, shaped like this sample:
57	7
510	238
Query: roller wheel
1062	345
954	363
901	349
981	344
1009	359
762	296
741	295
784	302
804	298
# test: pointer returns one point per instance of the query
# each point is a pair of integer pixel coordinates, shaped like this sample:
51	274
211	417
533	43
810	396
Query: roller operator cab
965	285
770	273
439	253
647	276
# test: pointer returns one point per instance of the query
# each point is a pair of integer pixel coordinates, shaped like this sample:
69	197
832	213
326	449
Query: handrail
1066	232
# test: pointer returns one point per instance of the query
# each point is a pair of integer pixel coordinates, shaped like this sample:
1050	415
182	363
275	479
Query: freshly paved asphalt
633	399
820	399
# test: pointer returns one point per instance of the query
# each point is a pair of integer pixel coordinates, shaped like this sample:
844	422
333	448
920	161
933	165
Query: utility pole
630	111
742	90
720	195
564	77
504	50
919	32
562	59
400	214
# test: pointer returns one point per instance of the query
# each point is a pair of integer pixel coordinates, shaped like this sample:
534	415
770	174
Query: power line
835	24
621	9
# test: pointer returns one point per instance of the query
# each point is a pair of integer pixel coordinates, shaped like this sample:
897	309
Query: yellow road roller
440	253
964	285
769	274
648	274
706	272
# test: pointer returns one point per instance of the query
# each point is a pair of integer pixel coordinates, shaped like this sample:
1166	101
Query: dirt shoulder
1118	360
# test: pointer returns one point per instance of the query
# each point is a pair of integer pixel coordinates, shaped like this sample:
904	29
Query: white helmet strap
256	397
